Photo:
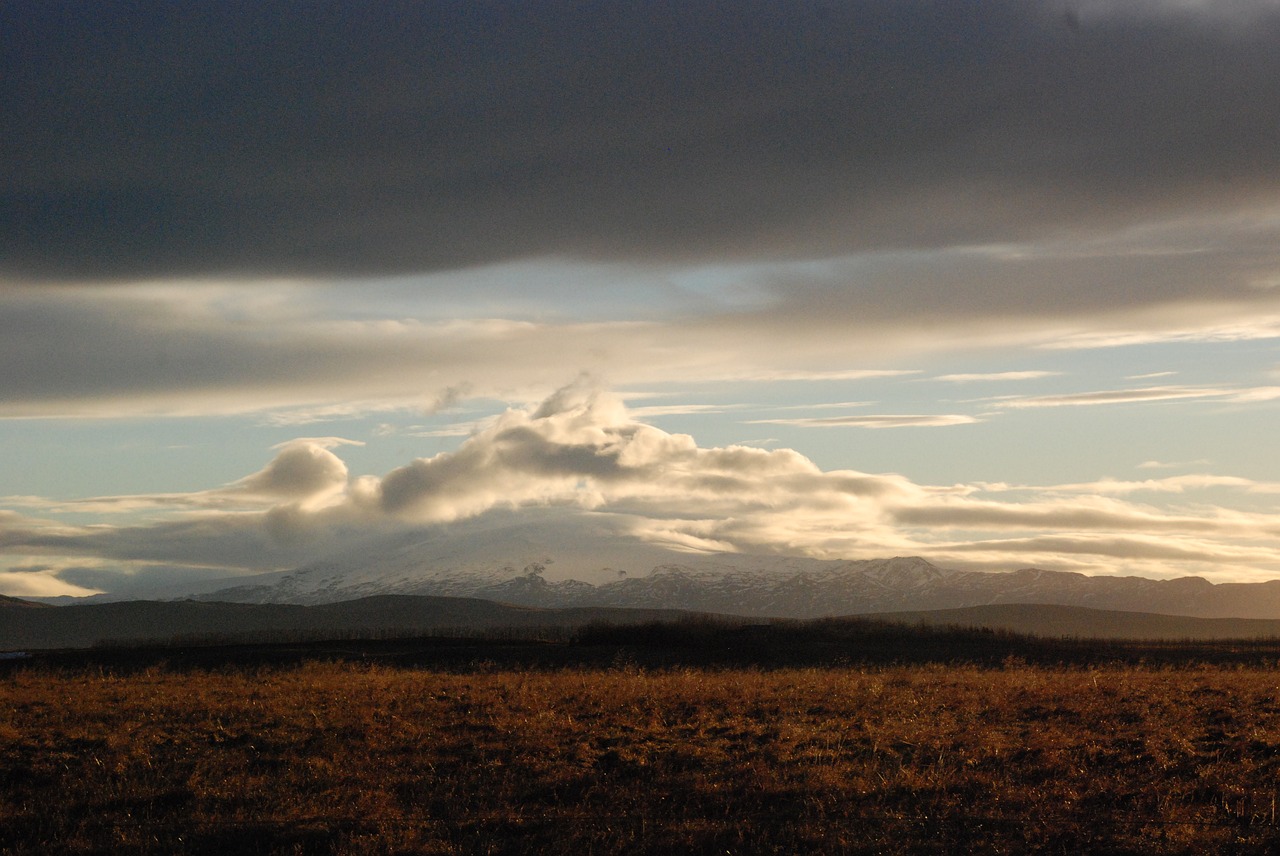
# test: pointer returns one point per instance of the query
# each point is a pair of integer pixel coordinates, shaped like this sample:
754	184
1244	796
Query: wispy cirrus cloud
1257	393
800	375
1244	329
457	429
650	411
1145	550
1171	465
879	420
1171	484
1087	513
995	376
1138	395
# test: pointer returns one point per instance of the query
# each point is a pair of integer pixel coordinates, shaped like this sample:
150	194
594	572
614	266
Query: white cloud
1117	396
1246	329
654	410
328	412
1172	484
996	376
1124	548
581	449
1171	465
42	583
827	405
305	471
154	349
771	375
457	429
1240	395
888	420
1260	393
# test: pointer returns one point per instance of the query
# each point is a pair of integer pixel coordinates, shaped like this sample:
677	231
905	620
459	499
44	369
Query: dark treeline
867	641
693	642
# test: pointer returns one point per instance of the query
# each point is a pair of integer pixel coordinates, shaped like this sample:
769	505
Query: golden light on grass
333	758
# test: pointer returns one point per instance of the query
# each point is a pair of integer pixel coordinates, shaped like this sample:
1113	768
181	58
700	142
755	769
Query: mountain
536	568
793	588
552	559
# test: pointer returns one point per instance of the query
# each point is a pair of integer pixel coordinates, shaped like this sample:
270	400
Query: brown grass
334	758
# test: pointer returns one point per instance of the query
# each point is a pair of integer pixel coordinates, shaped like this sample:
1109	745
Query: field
332	756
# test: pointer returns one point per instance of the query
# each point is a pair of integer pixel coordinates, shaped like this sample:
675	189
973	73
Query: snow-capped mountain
555	560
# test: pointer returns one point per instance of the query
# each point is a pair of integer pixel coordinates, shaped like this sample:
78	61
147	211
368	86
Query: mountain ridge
743	584
553	559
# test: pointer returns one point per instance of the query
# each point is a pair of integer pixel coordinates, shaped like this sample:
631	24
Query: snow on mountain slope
468	556
559	559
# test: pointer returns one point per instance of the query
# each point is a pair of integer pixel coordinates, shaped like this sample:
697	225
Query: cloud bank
580	450
299	213
378	207
439	135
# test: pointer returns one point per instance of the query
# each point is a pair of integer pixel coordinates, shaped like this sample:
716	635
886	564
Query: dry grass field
348	758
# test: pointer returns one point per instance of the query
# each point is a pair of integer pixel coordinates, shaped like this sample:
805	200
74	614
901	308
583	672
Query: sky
996	284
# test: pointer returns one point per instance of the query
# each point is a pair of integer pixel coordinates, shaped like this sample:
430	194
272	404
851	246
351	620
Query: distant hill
136	622
7	602
130	622
1082	622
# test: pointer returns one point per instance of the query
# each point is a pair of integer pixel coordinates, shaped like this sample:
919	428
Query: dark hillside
690	642
134	622
1078	621
7	602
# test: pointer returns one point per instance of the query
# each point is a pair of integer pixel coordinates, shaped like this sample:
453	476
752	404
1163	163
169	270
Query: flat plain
328	756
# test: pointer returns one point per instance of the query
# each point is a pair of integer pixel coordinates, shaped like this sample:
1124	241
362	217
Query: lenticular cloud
305	471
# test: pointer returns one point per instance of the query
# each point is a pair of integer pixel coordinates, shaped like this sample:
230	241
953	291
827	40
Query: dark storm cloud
68	349
265	137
